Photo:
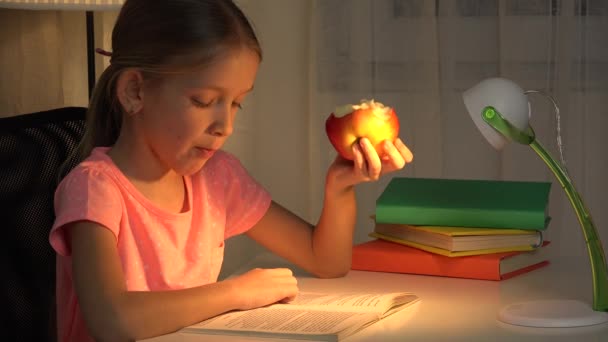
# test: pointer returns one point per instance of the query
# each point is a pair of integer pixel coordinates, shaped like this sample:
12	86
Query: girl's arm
114	314
325	249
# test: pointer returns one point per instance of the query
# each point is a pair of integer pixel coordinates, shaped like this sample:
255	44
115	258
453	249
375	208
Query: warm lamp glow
501	111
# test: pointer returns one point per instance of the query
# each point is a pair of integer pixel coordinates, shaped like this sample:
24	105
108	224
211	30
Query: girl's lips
205	152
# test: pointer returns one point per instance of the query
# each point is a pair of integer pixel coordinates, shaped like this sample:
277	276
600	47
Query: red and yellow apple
369	119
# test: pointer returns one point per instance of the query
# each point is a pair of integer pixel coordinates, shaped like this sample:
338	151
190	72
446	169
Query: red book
386	256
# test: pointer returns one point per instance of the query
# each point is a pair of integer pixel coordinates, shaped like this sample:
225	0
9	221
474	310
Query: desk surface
450	309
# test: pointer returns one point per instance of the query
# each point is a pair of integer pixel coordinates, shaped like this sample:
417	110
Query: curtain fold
419	56
43	54
42	60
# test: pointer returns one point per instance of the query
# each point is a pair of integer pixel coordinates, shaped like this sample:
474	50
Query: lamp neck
597	258
493	118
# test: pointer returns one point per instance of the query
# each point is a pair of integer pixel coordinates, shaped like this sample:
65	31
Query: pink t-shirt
158	250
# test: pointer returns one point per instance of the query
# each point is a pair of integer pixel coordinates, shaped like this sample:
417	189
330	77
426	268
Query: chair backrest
32	148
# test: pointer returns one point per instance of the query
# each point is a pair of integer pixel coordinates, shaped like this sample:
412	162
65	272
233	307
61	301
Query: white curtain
43	52
416	55
419	56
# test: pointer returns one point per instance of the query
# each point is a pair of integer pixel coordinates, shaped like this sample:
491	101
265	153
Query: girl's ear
129	89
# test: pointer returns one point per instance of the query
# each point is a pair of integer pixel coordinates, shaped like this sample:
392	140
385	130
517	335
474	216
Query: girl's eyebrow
219	89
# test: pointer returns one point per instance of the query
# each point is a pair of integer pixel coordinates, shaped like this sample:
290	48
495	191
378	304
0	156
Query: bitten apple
368	119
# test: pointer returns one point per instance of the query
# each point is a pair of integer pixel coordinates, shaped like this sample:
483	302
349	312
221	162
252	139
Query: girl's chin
192	168
192	162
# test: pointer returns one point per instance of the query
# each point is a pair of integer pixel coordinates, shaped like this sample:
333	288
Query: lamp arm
594	245
597	259
599	271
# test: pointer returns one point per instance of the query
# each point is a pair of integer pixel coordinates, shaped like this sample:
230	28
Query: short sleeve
85	194
246	200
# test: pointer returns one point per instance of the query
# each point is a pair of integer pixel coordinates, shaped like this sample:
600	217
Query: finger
404	150
288	299
290	290
359	158
396	160
374	165
281	271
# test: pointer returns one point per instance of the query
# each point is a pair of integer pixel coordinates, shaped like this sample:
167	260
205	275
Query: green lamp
501	111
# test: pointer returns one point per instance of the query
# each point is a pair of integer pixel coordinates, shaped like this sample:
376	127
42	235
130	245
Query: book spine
450	254
525	270
463	217
462	267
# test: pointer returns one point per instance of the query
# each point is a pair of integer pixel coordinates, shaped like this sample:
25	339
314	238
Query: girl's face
185	118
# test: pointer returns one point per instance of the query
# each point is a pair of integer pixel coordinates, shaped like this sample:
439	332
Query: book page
309	315
281	320
355	302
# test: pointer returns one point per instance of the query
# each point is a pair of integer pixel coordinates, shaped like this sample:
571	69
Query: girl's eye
237	105
202	104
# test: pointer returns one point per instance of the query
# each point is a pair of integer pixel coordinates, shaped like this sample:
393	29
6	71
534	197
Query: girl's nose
223	123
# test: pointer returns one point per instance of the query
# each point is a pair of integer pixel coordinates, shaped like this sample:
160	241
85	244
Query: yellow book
459	241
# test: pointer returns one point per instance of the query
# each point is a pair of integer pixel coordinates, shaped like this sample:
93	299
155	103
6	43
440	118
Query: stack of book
479	229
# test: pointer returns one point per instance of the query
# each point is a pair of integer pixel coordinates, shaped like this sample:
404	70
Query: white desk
450	309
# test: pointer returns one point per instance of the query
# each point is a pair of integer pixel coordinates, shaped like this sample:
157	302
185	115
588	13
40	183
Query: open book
310	316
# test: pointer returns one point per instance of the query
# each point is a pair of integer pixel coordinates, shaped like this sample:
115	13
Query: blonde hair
161	37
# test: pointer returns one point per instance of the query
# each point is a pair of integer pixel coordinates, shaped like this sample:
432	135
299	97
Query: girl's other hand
260	287
368	165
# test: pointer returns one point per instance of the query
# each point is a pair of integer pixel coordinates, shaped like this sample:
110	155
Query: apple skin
377	126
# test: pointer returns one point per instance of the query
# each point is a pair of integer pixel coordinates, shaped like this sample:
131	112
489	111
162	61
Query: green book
464	203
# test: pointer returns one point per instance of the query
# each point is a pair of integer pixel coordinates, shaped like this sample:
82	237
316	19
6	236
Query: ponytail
103	119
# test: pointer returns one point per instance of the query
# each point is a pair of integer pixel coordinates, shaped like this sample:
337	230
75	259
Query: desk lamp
501	111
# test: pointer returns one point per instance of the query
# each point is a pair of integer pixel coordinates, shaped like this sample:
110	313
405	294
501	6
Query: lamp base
552	314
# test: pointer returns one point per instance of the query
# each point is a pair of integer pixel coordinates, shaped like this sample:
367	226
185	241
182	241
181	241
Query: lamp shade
506	97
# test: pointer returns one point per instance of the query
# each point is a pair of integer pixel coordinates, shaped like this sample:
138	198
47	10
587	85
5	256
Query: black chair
32	147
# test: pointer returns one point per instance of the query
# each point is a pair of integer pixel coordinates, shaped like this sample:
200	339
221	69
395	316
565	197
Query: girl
141	222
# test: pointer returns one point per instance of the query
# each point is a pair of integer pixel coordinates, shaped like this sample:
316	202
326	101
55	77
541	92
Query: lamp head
507	98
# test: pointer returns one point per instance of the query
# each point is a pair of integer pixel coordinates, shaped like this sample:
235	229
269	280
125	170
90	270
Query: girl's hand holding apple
366	139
